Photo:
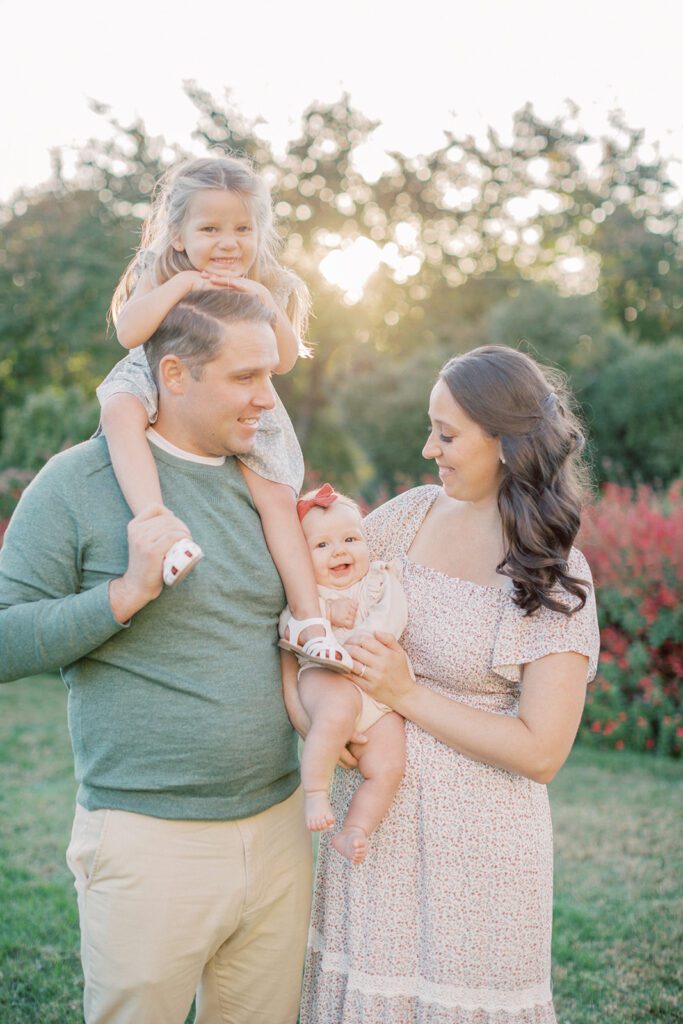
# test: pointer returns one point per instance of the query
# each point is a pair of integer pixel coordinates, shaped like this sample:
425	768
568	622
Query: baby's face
338	548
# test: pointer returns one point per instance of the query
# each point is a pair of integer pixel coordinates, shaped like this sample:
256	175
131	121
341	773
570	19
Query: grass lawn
618	859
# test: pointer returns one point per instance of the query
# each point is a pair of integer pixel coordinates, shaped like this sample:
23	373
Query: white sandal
179	560
322	650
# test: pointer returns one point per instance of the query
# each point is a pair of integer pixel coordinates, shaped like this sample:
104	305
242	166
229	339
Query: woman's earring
502	459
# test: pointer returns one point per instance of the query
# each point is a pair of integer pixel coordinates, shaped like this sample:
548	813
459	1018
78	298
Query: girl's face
338	548
218	233
468	458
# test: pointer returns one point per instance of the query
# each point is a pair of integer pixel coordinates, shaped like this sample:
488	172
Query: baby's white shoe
324	650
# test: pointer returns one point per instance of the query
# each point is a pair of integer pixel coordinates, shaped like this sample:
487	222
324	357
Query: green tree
47	422
462	231
635	415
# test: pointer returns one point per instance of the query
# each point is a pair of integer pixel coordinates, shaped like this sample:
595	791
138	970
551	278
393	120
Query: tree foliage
519	239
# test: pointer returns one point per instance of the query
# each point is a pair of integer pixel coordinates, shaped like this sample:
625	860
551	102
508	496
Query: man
189	851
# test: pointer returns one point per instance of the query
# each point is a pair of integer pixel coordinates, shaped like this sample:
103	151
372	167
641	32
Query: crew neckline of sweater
167	446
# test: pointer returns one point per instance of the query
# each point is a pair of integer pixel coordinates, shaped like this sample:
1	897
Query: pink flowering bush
633	541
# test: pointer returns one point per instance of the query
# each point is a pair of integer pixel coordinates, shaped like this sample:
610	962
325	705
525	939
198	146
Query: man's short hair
194	329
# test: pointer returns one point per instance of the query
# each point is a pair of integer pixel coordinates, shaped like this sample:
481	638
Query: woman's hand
382	668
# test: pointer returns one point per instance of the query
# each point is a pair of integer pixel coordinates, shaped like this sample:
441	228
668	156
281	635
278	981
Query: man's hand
150	535
342	612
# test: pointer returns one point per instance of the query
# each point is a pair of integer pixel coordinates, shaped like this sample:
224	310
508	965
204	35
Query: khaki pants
170	908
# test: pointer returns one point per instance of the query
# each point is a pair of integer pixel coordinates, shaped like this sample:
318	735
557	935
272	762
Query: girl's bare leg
333	704
276	505
382	763
124	422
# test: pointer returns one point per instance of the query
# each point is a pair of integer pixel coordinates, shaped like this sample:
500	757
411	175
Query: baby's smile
338	548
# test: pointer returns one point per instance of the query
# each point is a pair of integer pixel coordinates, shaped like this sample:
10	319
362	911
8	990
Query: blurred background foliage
565	245
552	240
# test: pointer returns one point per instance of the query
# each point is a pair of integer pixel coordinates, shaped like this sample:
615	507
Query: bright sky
418	68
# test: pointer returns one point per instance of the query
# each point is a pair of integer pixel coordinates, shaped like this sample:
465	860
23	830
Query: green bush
629	394
635	415
46	423
563	331
385	403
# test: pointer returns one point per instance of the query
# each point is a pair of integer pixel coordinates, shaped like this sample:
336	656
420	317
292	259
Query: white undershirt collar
180	453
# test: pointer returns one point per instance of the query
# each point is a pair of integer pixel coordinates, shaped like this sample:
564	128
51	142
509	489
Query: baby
359	596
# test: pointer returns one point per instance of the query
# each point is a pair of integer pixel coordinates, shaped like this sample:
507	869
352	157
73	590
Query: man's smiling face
219	413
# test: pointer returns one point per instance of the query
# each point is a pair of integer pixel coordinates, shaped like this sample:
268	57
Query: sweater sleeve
46	620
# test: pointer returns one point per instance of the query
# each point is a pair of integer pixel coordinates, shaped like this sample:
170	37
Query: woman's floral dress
448	920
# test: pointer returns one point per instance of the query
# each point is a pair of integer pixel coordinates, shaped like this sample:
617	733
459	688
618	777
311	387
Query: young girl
359	597
211	226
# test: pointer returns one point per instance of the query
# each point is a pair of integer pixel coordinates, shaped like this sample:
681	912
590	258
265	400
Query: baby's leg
333	704
382	763
276	505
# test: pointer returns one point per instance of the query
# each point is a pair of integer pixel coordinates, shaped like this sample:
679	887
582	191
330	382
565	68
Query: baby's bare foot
352	843
317	811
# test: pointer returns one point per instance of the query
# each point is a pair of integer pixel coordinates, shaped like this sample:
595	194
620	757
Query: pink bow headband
322	498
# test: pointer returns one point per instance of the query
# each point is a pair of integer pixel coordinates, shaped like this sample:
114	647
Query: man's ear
173	374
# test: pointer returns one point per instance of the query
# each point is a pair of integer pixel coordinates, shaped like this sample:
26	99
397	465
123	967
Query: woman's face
468	458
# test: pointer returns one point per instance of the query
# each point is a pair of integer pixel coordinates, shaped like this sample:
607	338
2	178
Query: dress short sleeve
391	528
524	638
132	376
276	454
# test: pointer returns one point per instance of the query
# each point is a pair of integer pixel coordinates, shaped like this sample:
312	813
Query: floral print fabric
448	920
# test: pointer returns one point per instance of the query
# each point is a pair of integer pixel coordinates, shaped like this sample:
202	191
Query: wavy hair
544	481
170	202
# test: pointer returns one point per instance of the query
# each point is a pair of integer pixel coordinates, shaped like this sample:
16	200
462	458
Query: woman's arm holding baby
534	743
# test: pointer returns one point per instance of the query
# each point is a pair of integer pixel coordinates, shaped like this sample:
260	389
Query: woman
448	920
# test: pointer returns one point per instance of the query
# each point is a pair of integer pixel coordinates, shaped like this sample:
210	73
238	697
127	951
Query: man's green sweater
180	713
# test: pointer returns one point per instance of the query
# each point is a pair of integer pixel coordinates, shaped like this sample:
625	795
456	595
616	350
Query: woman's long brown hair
544	481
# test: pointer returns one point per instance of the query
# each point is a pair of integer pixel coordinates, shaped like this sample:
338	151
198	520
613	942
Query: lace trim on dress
451	996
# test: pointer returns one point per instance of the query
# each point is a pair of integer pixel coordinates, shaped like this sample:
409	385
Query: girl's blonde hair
170	201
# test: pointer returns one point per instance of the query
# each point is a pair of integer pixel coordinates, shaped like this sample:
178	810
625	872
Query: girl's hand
381	668
195	280
241	284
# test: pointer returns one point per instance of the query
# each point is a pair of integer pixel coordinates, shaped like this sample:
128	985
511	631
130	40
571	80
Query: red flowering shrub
633	541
